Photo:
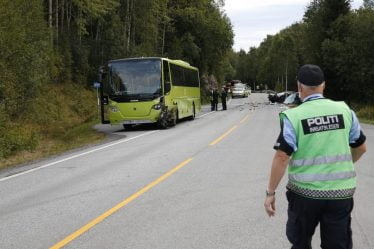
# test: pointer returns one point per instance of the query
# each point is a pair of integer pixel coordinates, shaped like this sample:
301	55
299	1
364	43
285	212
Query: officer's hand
270	205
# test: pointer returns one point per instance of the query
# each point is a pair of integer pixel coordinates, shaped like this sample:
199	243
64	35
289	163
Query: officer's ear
299	88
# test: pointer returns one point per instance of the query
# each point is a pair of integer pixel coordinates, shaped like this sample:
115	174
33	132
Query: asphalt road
199	185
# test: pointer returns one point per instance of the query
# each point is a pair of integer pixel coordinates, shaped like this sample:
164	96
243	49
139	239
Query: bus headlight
114	109
157	106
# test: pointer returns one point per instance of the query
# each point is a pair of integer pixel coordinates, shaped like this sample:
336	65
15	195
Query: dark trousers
334	217
214	105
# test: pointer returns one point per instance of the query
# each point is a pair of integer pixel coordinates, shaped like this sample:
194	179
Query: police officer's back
319	141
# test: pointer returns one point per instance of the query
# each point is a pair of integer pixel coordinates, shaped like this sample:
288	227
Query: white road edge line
75	156
206	114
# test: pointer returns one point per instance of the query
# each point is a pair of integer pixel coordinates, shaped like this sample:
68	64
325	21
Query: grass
59	119
76	137
365	114
367	121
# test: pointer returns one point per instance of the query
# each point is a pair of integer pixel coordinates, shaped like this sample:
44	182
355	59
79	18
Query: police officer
215	96
212	100
320	140
224	98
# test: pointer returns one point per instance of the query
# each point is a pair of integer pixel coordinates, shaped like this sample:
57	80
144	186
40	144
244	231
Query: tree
275	61
353	57
24	51
324	29
200	33
23	54
368	4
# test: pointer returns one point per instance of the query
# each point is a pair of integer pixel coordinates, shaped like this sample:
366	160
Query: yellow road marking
223	136
114	209
244	119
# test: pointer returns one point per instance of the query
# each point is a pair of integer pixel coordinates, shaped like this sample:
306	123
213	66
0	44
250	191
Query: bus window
184	76
167	85
135	79
177	75
192	78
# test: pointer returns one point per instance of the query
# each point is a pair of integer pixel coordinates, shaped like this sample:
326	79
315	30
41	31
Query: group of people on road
214	97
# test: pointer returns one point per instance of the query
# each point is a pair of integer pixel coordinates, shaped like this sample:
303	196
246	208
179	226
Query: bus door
166	81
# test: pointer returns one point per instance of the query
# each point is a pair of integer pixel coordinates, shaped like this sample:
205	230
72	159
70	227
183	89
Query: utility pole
57	10
287	73
282	81
50	13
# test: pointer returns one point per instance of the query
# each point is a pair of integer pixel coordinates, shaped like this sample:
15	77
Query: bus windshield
138	79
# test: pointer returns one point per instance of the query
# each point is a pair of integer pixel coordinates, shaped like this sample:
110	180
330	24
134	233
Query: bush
14	138
57	111
366	113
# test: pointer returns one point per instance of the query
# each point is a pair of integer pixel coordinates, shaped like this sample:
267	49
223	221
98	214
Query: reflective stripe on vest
320	160
321	177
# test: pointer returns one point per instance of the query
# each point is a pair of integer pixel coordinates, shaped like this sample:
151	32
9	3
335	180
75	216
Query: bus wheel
163	121
174	118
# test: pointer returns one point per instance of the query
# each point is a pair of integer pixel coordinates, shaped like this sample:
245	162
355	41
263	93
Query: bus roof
177	62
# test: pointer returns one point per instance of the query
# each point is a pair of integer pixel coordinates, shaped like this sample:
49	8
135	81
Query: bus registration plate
137	121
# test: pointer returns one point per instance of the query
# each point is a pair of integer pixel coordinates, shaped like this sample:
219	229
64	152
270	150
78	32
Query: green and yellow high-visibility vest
322	166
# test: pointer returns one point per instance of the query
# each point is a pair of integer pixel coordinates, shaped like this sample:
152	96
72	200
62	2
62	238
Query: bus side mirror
102	74
167	87
105	100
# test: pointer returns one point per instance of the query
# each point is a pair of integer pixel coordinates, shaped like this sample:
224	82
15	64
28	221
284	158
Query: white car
292	100
240	90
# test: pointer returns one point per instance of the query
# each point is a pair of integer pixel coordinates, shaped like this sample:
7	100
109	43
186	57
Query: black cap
310	75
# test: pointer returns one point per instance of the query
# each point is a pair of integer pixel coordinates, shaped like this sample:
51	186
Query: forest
50	52
332	35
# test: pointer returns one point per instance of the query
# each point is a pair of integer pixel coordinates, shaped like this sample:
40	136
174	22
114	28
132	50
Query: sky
252	20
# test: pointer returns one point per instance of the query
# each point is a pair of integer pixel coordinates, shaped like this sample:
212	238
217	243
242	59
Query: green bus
149	90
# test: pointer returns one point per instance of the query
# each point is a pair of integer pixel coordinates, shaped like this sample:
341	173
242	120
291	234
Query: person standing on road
320	140
211	99
224	98
215	99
